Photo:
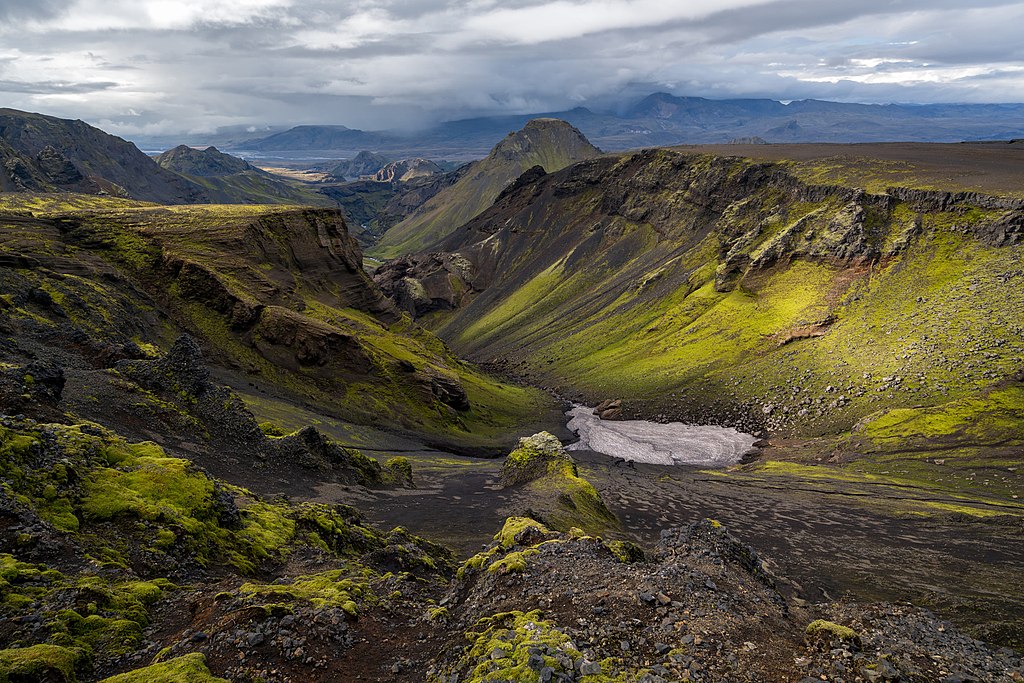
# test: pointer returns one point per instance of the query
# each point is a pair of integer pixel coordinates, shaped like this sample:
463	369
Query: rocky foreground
123	563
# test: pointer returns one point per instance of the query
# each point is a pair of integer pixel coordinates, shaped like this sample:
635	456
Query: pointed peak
543	135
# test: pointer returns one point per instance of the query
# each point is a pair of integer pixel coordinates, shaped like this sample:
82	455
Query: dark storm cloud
185	65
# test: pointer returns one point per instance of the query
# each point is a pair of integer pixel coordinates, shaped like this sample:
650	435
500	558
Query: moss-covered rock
827	634
335	588
546	478
40	663
534	457
188	668
502	646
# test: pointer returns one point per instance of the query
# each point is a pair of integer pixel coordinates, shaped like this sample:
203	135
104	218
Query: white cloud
198	64
564	19
111	15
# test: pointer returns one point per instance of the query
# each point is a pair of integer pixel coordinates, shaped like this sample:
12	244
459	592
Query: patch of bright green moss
438	614
40	662
626	552
830	629
513	526
505	539
190	668
514	634
334	588
511	563
993	417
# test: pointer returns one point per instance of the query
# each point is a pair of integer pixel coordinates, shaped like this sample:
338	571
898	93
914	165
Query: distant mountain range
662	119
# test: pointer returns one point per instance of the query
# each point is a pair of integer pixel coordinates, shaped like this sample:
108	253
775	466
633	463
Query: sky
161	67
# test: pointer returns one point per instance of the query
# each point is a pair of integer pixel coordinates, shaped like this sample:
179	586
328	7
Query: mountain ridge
227	179
662	119
550	143
603	277
43	153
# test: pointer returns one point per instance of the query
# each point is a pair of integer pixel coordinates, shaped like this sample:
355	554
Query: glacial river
658	444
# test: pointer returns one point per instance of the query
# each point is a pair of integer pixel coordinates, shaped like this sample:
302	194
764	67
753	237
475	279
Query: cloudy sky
156	67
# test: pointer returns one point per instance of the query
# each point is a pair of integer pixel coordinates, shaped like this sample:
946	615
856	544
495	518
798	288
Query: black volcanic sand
826	543
828	538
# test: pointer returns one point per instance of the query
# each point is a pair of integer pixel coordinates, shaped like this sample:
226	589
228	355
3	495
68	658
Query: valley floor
827	536
955	546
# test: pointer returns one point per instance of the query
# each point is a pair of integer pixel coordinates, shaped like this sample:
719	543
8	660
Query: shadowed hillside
46	154
229	180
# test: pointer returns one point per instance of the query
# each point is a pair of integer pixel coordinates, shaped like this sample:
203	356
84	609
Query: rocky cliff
365	163
274	294
405	170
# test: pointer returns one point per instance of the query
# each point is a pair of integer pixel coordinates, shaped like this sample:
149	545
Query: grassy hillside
714	288
548	143
230	180
277	294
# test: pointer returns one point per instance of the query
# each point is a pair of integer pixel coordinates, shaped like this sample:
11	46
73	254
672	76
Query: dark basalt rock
40	384
708	538
529	177
181	369
447	390
427	283
58	168
1007	230
310	448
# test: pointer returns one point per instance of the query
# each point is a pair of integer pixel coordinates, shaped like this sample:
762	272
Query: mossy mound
516	646
138	504
534	457
40	663
828	635
546	478
186	669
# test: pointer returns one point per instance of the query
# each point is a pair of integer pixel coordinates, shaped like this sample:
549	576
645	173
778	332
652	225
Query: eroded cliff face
716	289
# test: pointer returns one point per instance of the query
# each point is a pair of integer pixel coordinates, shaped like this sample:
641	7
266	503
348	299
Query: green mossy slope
717	290
274	292
129	526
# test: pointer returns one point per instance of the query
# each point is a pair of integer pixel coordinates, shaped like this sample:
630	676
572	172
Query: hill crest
549	143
